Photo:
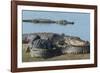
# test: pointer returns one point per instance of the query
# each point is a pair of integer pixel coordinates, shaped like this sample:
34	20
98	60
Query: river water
81	28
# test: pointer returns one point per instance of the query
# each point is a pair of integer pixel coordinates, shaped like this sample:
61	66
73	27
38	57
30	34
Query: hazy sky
81	28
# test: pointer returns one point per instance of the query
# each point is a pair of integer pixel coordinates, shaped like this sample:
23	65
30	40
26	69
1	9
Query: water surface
81	28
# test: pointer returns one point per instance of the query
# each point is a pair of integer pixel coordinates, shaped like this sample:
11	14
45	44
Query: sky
81	27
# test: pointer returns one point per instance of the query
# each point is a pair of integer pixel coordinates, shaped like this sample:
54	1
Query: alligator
48	21
42	44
